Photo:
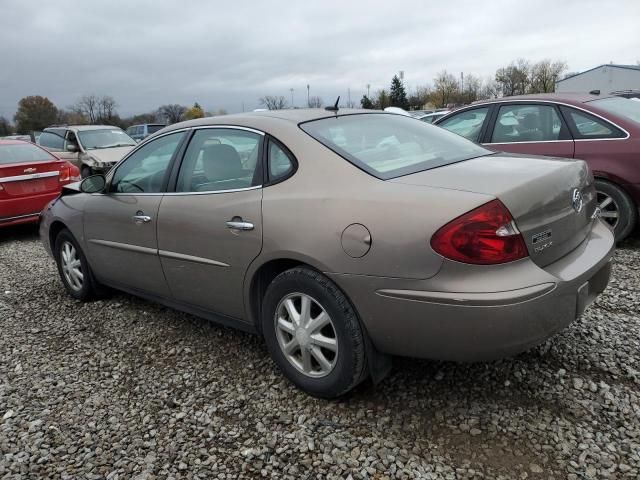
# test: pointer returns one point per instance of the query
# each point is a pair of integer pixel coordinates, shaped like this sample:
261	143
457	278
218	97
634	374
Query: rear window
388	146
623	107
24	152
154	128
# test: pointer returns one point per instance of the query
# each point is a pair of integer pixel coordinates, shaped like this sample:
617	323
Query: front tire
74	270
616	208
313	333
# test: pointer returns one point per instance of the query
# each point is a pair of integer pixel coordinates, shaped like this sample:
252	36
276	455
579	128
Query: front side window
588	126
219	159
104	138
527	123
467	124
23	152
52	141
388	146
144	171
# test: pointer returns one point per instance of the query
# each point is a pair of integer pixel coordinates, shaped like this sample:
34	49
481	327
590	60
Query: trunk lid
552	200
30	178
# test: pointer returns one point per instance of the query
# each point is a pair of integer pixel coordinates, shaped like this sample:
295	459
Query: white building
606	78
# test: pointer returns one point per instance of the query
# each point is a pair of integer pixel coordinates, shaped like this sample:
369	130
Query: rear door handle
239	225
141	219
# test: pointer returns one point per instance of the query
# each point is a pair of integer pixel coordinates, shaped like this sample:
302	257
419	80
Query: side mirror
72	147
93	184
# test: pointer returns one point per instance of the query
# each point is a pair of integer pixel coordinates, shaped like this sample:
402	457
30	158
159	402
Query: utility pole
348	97
243	105
308	105
291	97
368	87
462	82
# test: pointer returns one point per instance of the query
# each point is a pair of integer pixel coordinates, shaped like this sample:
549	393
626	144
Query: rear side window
154	128
467	124
527	123
220	159
23	152
51	141
388	145
280	163
586	125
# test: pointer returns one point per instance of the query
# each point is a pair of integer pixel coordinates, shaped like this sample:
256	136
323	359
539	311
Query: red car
30	177
603	130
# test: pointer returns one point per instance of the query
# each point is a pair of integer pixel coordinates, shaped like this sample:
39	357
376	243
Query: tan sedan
343	237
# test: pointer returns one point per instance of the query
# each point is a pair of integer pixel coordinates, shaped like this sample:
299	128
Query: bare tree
106	108
273	102
490	89
172	113
87	106
445	89
545	74
514	79
315	102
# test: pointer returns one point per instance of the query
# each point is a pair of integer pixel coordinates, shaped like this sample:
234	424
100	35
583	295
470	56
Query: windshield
104	138
623	107
23	152
389	146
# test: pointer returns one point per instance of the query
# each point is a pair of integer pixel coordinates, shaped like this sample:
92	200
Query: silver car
343	237
91	148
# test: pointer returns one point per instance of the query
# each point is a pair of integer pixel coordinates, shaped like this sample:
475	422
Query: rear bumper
471	324
16	211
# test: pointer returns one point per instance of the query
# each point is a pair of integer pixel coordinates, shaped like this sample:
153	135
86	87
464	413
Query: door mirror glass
72	147
93	184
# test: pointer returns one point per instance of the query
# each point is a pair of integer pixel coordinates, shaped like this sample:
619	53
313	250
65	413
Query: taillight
69	173
485	236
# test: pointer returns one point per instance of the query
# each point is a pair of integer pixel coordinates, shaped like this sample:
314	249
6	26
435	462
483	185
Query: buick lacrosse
344	237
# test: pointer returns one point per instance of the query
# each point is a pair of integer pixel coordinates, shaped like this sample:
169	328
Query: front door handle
139	219
239	225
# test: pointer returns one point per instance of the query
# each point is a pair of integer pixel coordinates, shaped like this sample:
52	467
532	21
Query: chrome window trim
552	102
31	176
173	194
531	141
232	127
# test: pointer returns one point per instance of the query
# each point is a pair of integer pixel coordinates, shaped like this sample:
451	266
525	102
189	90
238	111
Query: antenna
335	107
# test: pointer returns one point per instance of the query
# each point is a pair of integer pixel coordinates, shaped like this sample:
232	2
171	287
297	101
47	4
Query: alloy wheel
71	266
609	210
306	335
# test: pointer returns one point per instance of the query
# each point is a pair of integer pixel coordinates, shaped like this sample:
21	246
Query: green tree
5	127
397	94
35	113
367	103
382	100
194	112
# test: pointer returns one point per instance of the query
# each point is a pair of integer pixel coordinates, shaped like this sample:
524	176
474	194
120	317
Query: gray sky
221	54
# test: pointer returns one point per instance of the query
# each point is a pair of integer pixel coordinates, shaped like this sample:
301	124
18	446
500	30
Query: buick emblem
576	200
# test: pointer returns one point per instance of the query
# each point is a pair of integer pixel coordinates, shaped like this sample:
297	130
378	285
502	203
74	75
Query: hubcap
71	266
306	335
608	209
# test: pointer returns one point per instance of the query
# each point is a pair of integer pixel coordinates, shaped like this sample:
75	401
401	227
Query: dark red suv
603	130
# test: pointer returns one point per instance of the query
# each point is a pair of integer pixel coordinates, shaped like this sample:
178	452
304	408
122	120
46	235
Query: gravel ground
123	388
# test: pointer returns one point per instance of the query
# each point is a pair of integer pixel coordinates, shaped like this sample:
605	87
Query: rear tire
74	270
616	209
326	356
